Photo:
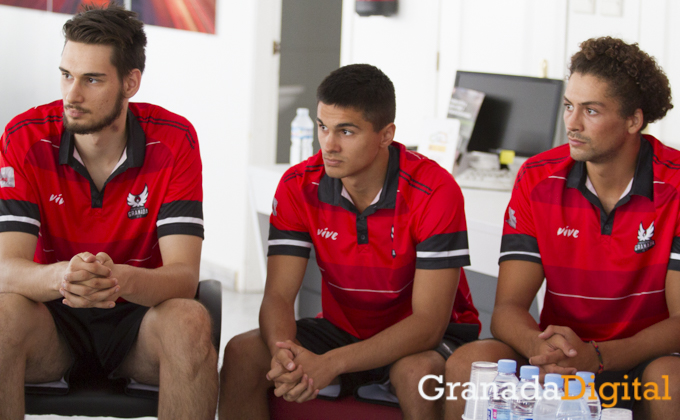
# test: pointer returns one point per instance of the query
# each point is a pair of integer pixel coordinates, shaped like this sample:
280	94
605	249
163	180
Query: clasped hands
297	373
559	350
88	282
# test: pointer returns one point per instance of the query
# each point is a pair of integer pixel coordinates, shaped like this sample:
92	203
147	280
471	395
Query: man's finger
98	283
552	368
75	301
561	342
298	389
291	377
285	359
547	358
309	394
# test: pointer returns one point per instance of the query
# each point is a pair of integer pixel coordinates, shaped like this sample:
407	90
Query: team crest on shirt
137	203
7	177
512	220
645	241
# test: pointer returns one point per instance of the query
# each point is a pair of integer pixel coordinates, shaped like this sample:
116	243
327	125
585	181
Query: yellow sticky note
507	157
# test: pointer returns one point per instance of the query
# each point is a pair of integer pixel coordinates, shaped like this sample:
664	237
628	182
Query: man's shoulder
666	161
163	125
42	122
420	176
41	118
555	162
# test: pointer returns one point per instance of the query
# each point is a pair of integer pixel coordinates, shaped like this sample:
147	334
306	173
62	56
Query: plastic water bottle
546	406
594	405
499	405
570	409
527	393
301	136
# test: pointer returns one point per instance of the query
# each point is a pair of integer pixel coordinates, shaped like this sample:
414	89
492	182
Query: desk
485	211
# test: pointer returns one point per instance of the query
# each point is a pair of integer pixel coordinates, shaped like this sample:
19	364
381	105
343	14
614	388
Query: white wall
213	80
498	36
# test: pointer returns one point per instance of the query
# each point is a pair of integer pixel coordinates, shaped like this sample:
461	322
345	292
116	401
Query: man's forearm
38	282
656	340
409	336
515	327
277	321
152	286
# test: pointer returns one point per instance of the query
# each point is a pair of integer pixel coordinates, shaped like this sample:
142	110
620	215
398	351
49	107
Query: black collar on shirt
643	180
136	148
330	189
136	144
643	184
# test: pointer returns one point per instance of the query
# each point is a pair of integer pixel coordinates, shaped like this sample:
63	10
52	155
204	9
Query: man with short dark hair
599	218
101	230
389	232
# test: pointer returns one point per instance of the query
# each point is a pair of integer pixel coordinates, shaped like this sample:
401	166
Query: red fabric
343	409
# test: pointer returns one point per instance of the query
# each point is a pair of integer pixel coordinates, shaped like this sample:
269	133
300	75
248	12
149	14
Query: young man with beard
101	231
389	232
599	218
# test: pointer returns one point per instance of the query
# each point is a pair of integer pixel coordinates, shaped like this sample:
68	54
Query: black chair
107	398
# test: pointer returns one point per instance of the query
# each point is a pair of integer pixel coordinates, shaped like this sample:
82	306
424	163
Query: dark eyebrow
63	70
588	103
341	125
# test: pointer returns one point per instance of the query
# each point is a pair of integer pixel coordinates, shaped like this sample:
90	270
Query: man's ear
635	121
131	83
387	134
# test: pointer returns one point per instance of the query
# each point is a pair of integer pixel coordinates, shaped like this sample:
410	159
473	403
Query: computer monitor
518	113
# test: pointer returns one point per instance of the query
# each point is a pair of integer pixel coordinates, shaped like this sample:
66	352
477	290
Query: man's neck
364	187
611	178
105	147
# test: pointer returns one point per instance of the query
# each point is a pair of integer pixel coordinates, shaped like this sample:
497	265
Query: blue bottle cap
588	377
528	372
507	366
574	388
554	378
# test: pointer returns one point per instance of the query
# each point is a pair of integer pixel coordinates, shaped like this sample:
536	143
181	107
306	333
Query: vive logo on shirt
645	241
565	231
57	198
137	203
325	233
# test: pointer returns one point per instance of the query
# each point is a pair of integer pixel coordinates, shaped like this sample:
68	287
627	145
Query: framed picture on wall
29	4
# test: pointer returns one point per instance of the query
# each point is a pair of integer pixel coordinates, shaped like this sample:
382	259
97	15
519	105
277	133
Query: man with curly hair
599	219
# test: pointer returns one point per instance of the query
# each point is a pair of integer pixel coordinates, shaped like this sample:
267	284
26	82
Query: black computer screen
518	113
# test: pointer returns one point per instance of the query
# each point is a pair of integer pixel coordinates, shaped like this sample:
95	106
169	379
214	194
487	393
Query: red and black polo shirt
605	273
154	191
368	260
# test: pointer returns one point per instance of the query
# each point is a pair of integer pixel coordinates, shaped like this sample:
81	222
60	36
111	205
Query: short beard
97	126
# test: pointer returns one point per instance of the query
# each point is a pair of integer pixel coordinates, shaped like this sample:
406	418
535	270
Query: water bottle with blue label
594	404
500	395
528	391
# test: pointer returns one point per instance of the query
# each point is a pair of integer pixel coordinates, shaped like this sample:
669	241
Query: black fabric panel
519	242
181	229
521	257
296	251
181	208
439	263
274	233
675	248
19	208
444	242
19	227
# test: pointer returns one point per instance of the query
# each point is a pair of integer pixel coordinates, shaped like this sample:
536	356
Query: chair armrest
209	293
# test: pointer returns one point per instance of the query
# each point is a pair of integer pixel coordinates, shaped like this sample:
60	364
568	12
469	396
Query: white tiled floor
239	314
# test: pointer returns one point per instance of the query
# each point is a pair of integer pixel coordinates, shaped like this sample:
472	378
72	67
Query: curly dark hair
364	88
632	74
111	25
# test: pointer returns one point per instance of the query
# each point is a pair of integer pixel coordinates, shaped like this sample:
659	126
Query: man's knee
246	352
407	372
181	325
18	318
459	364
665	372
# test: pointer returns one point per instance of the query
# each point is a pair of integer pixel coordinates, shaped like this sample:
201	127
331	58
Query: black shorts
617	376
99	339
318	335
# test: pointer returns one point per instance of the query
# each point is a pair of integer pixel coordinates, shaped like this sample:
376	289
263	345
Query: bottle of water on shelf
527	393
301	136
546	406
573	409
499	401
594	405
